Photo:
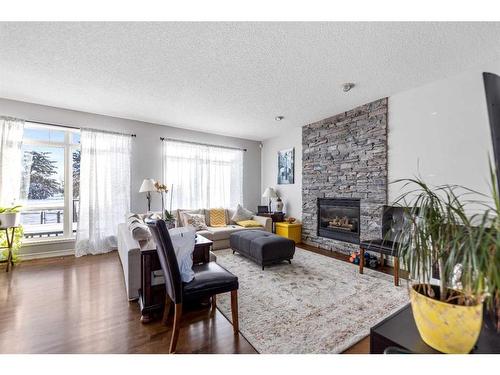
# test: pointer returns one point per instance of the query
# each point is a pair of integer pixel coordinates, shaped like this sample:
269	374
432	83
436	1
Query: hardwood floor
78	305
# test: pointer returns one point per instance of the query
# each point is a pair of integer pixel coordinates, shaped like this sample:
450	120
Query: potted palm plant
10	216
452	258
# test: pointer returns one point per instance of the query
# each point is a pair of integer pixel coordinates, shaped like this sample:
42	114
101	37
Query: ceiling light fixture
279	118
347	86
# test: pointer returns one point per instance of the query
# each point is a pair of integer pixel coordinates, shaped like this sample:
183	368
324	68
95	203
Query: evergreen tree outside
76	174
42	183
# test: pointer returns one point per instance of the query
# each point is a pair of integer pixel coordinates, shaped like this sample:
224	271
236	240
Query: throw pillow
248	224
241	214
196	220
140	231
137	227
184	218
217	217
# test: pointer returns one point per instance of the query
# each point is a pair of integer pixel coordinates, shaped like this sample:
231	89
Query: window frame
208	163
68	149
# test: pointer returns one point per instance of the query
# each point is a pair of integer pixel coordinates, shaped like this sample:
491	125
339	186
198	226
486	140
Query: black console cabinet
399	330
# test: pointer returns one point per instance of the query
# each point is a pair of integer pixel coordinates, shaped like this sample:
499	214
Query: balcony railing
47	221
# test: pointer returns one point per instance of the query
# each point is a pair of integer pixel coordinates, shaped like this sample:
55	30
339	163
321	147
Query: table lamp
270	193
148	185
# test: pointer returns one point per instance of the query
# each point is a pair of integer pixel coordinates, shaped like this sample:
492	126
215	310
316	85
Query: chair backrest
394	221
168	260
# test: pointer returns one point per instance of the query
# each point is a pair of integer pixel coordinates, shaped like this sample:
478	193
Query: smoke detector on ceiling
347	86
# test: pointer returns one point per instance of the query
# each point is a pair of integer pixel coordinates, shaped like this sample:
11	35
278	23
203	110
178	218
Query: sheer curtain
11	140
104	190
203	176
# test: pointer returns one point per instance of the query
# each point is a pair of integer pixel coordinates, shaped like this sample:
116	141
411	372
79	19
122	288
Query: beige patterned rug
315	305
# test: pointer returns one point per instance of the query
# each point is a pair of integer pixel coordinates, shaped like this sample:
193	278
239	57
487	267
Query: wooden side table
10	243
292	231
276	217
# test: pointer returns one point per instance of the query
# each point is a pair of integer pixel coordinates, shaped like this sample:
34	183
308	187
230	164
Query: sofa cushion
223	233
137	227
217	217
249	224
230	214
195	220
241	214
206	233
140	231
181	219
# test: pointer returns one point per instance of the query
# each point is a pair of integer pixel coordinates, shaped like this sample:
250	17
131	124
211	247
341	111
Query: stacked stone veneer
345	156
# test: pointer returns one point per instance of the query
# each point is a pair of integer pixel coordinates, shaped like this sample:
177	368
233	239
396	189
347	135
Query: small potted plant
167	215
10	216
452	259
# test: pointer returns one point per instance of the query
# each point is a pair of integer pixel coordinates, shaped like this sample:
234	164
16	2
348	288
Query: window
202	176
50	181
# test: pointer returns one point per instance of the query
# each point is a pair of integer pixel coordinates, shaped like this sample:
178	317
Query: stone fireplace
339	219
344	161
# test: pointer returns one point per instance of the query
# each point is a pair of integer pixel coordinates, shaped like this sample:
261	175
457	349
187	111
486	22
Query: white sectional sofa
129	249
220	235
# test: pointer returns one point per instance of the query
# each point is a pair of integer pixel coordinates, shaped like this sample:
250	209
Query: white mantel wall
290	194
440	130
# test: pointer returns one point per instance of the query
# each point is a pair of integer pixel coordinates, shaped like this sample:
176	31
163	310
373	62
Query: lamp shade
147	185
269	193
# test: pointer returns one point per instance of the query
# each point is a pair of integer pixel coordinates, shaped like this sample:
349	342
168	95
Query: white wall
146	149
441	132
290	194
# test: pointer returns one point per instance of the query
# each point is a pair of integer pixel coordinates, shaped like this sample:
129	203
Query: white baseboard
46	254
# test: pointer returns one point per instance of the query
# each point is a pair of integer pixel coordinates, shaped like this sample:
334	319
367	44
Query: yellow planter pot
446	327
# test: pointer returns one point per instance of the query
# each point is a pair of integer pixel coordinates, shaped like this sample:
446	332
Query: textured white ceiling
231	78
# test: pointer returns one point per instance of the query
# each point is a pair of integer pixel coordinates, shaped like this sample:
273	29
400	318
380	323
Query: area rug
315	305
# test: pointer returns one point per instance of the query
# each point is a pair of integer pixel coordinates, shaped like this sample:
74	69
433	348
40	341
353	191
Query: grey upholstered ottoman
262	247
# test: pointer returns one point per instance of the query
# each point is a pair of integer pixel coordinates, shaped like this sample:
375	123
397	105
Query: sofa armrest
266	222
130	258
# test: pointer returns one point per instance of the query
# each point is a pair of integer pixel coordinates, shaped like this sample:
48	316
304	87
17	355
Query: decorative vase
279	205
10	219
446	327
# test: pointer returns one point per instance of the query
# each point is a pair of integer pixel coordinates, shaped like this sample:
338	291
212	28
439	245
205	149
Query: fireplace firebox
339	219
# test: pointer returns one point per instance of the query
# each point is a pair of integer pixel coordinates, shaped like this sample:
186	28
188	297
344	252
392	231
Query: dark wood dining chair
209	280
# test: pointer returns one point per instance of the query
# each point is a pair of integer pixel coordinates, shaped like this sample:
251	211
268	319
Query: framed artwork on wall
286	166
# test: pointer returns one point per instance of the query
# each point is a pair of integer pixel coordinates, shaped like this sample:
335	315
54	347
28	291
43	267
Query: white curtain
11	140
104	190
203	176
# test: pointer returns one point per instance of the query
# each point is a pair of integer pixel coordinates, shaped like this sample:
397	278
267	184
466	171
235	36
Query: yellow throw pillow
217	217
248	224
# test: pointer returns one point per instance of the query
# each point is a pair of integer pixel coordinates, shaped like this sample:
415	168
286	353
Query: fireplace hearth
339	219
